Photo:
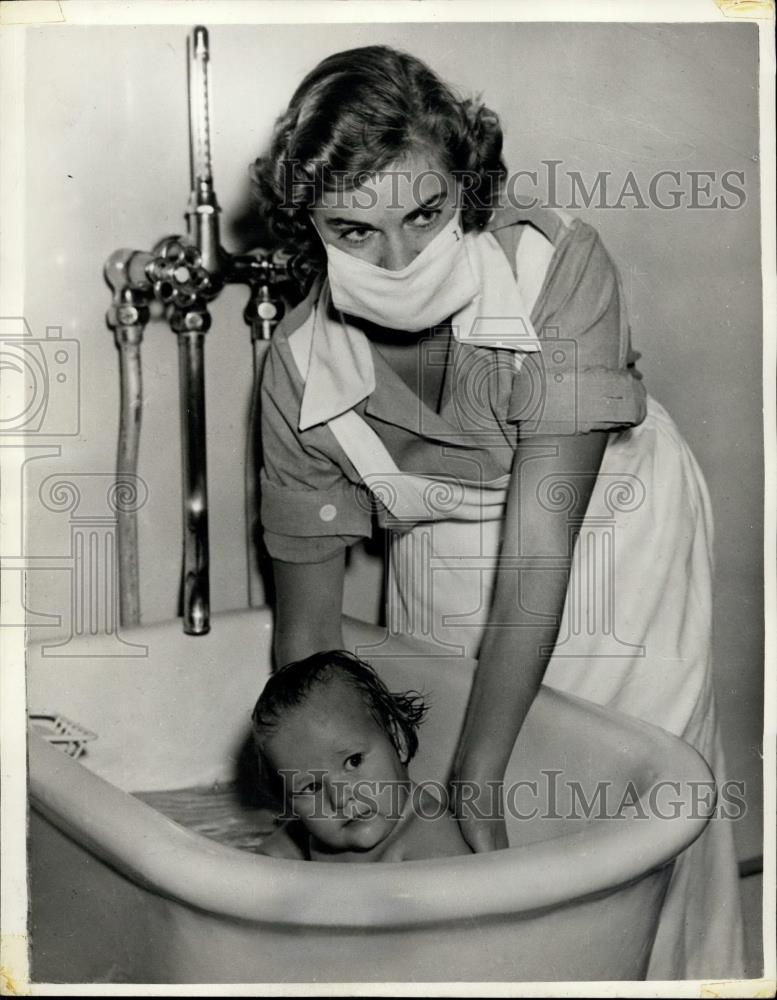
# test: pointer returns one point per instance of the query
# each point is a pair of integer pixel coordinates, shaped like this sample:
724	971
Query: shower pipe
185	274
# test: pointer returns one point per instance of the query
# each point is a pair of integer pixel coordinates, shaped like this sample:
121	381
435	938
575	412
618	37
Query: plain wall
107	167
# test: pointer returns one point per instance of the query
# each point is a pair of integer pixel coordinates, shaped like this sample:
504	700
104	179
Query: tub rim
187	867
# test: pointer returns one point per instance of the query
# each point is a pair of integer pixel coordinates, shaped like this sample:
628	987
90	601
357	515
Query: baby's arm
285	842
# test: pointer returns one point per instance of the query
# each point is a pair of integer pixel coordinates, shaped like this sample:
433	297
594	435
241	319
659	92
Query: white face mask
433	286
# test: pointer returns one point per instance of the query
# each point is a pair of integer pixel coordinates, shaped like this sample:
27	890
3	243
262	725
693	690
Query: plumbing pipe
190	321
263	312
203	211
195	582
184	275
127	317
131	412
253	465
199	106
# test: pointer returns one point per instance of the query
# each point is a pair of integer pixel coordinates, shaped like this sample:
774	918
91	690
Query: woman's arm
511	664
308	607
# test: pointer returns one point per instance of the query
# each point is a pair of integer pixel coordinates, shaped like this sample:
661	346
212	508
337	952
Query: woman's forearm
530	586
296	641
512	663
308	608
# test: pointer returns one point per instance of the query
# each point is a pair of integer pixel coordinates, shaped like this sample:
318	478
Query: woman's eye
426	217
355	235
309	789
354	760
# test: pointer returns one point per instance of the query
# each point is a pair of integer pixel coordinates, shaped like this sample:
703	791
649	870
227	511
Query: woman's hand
479	810
484	835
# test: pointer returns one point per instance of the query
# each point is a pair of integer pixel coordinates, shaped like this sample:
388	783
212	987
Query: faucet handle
177	274
177	250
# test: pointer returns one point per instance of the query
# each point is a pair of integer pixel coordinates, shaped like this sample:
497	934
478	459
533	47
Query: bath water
218	811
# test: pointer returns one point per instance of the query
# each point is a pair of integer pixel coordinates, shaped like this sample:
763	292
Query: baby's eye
354	761
311	788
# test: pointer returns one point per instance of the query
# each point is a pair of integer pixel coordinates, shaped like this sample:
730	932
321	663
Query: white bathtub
119	893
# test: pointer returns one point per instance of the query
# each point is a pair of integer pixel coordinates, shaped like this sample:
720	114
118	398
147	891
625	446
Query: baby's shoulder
288	841
432	832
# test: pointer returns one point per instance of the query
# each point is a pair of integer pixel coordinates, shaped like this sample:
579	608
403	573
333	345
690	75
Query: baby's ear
405	750
267	779
405	742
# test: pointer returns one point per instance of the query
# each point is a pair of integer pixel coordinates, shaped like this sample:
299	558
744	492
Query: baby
334	744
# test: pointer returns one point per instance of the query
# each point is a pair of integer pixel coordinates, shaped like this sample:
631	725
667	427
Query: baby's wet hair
398	714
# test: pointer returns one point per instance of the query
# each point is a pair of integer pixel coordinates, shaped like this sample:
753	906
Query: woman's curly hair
398	714
355	114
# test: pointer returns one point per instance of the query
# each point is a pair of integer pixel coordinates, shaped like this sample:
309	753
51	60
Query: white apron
635	632
635	636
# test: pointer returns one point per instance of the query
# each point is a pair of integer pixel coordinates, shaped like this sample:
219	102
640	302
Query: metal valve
128	313
195	318
263	311
184	274
177	275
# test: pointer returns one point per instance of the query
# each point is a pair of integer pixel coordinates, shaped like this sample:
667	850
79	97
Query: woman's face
389	219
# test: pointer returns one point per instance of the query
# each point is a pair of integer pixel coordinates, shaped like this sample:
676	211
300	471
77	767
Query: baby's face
342	774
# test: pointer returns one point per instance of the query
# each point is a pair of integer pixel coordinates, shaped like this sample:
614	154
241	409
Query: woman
461	373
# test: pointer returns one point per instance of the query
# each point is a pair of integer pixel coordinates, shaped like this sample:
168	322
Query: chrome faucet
185	274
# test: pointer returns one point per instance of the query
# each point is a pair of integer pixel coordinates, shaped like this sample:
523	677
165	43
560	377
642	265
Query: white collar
340	370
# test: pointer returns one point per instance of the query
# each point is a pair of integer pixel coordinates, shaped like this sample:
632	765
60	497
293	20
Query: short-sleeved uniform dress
545	349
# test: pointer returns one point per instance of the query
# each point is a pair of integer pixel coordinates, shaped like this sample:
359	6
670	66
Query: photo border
14	19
